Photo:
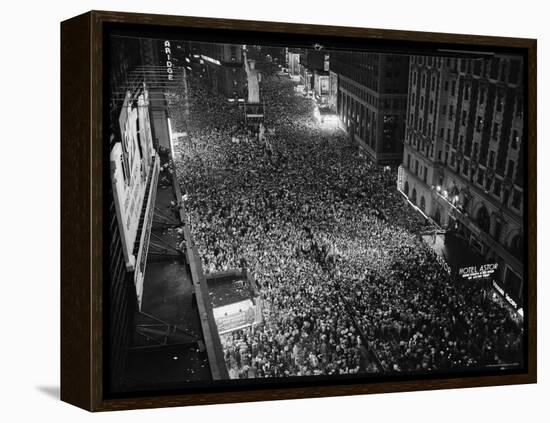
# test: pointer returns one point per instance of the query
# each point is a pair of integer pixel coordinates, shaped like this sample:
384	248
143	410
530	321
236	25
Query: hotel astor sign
478	272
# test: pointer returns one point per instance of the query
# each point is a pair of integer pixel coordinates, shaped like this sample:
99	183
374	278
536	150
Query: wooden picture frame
83	255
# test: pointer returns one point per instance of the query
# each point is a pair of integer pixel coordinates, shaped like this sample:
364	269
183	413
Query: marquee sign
478	272
210	60
237	315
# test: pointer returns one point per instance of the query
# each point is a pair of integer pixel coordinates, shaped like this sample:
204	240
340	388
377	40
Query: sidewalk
168	295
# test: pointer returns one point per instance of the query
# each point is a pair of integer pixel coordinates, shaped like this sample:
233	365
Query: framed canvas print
257	210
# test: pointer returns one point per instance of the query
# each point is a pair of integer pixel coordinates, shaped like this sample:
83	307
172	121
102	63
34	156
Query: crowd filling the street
346	282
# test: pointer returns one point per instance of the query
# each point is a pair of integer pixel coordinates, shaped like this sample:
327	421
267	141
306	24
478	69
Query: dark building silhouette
222	67
139	78
372	100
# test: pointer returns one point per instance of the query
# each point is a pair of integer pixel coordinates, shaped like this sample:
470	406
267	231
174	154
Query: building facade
314	74
222	66
463	158
293	61
372	101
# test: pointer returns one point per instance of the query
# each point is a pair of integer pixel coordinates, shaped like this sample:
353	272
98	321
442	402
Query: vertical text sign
168	52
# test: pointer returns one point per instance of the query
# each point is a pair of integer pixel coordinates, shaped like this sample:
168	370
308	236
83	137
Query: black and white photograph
282	214
275	212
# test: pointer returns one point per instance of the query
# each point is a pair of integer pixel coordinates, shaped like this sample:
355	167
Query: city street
314	219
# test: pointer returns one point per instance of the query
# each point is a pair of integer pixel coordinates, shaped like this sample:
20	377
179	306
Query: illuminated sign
478	272
237	315
169	65
506	296
400	177
210	59
324	85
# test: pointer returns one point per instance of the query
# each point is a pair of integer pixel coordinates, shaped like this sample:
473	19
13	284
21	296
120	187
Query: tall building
142	250
293	61
274	54
223	67
372	100
463	159
315	74
134	169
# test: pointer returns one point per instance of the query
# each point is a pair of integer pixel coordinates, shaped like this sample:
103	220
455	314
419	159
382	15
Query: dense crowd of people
347	285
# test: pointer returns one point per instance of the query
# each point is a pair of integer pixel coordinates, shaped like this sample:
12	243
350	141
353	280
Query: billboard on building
333	90
134	171
324	84
294	64
326	63
237	315
400	177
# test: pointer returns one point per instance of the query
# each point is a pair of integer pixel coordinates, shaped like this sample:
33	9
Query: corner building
463	158
372	101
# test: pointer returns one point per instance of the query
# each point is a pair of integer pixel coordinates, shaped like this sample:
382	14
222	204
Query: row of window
366	76
427	148
363	94
496	68
419	169
498	102
496	133
490	164
428	60
479	176
491	185
362	118
496	130
423	80
483	221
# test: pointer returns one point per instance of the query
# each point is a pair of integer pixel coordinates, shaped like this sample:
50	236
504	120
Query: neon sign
478	272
